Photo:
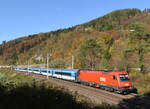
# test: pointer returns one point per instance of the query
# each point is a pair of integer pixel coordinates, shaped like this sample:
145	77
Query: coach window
114	77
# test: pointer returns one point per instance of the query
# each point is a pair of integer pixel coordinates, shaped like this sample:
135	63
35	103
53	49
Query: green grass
11	75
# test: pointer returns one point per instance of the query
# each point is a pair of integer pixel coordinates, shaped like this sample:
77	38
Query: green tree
139	38
89	53
107	50
109	43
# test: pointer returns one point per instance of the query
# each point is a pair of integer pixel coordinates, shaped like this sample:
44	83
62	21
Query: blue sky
25	17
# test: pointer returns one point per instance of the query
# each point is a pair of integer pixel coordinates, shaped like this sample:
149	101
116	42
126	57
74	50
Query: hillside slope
110	35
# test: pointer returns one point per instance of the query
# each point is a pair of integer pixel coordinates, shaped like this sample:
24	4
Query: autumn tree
1	51
58	63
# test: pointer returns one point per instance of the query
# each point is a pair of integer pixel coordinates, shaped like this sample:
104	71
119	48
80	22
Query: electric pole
72	61
28	67
47	65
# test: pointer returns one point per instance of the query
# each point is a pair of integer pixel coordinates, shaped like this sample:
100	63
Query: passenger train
115	81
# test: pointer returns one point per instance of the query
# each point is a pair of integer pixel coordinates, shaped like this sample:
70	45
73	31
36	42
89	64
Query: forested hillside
118	40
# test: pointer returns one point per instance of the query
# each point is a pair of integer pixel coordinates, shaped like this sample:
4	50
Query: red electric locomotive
116	81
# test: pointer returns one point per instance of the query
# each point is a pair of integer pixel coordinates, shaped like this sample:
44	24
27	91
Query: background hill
118	40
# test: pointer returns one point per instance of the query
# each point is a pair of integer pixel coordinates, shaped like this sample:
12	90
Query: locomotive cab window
114	77
124	77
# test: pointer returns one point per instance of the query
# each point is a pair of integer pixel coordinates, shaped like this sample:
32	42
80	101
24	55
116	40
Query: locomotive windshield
124	77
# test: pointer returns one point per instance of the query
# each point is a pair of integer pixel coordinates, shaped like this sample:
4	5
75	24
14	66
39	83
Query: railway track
93	93
130	101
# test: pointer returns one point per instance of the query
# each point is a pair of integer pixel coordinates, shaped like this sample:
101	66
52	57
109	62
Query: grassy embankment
19	91
142	82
